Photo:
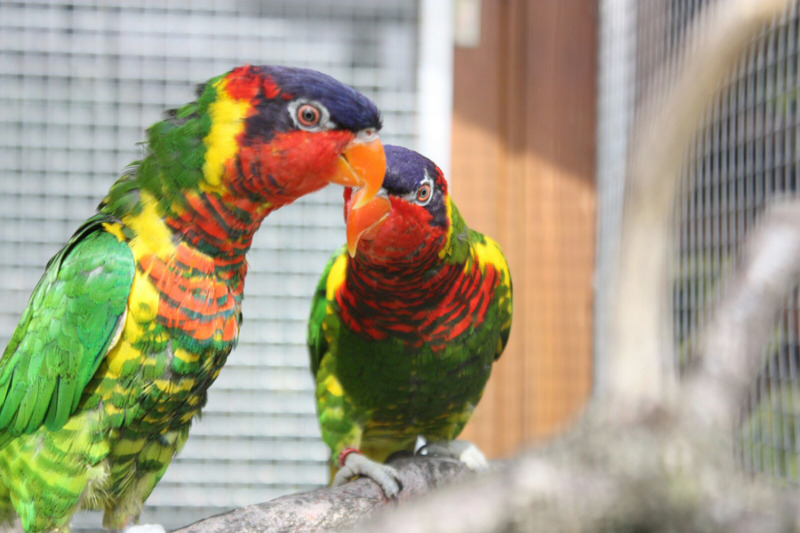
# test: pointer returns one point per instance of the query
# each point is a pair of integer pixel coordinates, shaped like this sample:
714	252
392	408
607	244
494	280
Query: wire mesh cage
79	82
744	156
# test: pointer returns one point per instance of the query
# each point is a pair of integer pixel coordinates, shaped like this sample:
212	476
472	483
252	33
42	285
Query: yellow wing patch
186	356
333	386
227	123
336	276
152	233
115	229
121	354
488	252
446	247
144	298
171	387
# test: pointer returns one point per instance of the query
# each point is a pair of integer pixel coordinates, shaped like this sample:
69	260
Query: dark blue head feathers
285	88
408	172
348	108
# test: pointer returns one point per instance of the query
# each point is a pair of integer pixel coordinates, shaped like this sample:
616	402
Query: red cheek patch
288	165
406	231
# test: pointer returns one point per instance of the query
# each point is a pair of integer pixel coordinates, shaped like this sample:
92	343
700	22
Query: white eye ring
324	122
413	196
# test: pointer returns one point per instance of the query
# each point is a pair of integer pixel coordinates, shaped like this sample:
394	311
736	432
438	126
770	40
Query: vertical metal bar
616	100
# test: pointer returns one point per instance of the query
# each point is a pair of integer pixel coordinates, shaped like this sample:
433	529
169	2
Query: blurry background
744	156
527	104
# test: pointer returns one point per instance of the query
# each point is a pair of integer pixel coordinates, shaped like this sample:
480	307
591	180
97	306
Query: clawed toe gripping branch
355	464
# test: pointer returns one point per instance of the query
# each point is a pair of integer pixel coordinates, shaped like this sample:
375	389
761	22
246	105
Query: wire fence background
744	156
79	83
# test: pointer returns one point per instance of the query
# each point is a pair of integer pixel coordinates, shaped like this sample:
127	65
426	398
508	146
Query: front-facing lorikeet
134	318
404	329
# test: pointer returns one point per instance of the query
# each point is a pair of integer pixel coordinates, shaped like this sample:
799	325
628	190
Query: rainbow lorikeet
405	327
134	318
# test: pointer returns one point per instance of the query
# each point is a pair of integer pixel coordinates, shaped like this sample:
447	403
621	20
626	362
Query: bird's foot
462	450
145	528
356	464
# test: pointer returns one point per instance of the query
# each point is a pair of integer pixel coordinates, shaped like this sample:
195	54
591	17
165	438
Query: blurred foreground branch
647	455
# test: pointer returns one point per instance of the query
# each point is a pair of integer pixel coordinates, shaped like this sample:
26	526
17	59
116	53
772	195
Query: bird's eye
424	194
308	115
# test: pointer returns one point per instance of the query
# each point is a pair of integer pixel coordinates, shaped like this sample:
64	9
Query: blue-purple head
302	130
418	209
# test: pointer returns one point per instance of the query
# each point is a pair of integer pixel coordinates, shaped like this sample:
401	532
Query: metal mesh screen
744	155
79	82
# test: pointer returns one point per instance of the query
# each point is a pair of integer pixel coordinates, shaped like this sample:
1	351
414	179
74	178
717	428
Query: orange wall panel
523	172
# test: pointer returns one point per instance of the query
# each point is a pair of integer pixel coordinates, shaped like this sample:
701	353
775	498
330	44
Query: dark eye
308	115
424	194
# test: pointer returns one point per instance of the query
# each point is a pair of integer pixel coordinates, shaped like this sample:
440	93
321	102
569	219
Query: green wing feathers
67	328
486	251
317	345
505	300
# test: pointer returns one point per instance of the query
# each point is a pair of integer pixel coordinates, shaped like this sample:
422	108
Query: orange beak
363	217
361	165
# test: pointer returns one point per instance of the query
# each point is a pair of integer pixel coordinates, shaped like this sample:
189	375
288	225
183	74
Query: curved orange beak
364	216
362	165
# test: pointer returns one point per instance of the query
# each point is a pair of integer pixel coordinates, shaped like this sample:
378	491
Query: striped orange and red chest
181	323
194	302
421	307
414	350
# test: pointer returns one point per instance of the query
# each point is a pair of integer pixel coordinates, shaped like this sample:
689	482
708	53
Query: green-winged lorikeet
134	318
405	328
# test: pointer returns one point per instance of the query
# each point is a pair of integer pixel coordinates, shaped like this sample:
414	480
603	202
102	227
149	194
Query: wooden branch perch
335	508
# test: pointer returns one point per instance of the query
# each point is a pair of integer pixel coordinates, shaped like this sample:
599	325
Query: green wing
487	251
317	345
505	327
65	331
505	292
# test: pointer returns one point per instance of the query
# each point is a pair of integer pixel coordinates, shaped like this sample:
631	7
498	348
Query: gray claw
356	464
